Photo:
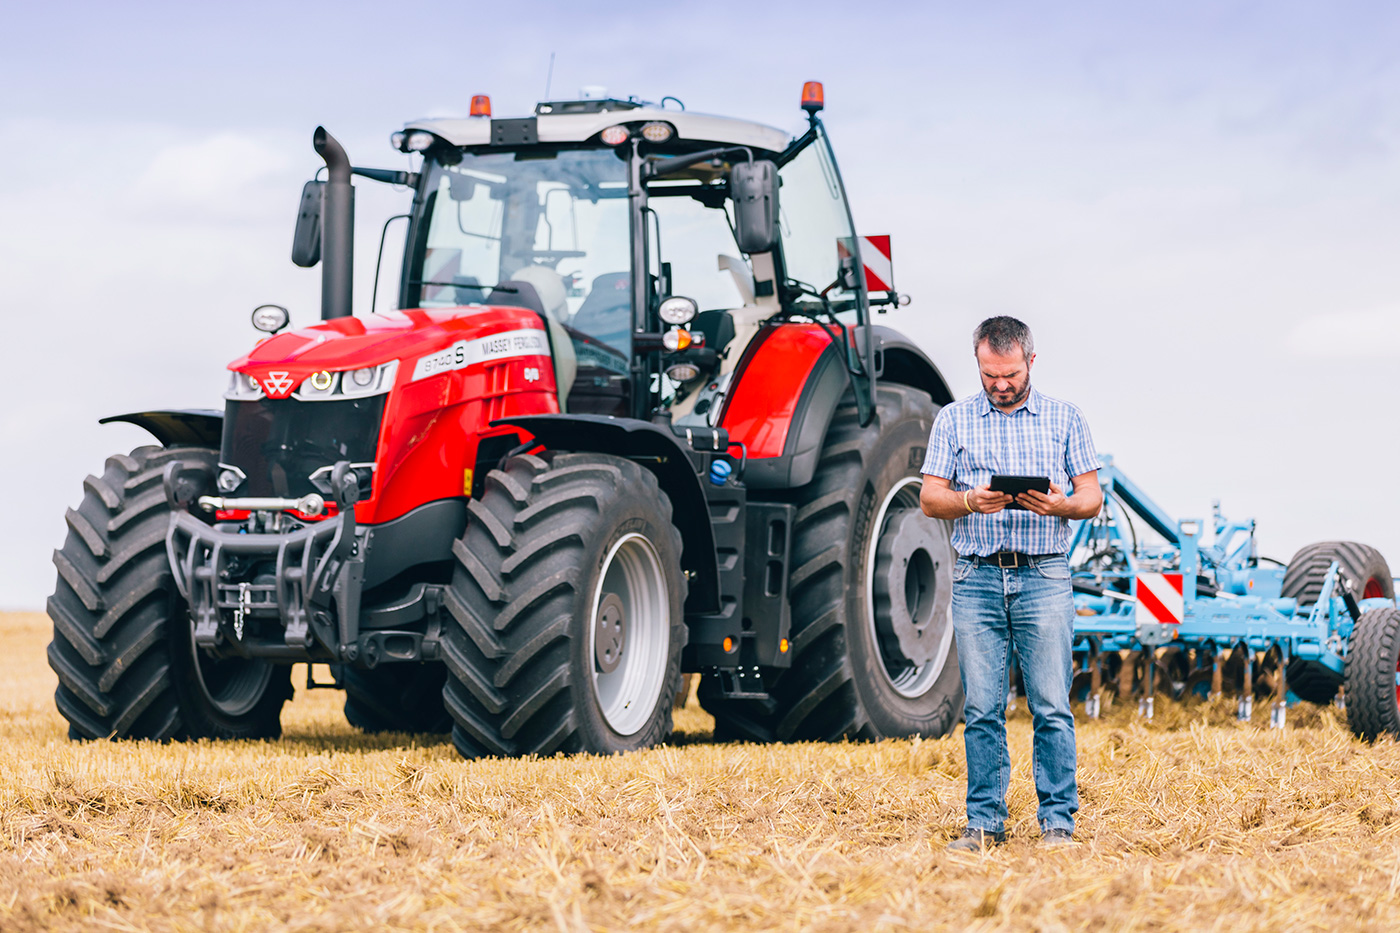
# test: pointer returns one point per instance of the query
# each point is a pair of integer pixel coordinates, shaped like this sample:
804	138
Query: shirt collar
1031	404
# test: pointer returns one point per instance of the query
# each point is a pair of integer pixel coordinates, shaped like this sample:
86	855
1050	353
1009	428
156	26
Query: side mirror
306	240
753	187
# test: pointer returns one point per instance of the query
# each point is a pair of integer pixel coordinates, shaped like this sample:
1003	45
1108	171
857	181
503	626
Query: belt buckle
1002	557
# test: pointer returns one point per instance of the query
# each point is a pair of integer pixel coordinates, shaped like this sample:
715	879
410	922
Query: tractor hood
424	343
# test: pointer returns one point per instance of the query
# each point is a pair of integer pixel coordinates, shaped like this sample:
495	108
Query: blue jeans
1029	610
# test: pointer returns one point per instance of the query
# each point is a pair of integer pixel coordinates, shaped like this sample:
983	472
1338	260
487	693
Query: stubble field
1192	823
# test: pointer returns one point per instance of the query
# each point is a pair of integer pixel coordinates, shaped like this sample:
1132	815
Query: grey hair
1001	334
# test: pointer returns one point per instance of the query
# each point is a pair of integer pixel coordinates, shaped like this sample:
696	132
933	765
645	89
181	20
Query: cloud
217	179
1371	334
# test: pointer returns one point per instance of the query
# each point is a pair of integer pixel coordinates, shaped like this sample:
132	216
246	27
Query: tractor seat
718	328
518	293
606	314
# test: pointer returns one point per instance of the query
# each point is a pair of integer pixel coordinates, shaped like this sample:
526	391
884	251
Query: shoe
1055	838
976	840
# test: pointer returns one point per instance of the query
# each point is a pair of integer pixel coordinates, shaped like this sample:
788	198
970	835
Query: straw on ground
1194	822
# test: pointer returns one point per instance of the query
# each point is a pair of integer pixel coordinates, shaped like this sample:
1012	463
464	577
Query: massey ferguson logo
277	385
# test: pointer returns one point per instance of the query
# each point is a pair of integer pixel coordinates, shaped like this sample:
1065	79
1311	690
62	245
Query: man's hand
983	500
1054	502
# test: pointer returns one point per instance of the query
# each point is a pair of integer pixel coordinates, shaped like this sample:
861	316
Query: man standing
1011	587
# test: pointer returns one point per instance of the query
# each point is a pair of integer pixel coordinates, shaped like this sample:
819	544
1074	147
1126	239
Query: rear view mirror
753	187
306	241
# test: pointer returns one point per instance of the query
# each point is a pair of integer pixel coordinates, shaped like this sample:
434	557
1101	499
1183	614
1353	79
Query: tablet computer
1015	485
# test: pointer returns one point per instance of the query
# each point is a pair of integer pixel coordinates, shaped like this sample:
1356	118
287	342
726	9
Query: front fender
198	427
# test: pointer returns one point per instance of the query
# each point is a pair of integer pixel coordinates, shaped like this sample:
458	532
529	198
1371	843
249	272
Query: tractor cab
596	214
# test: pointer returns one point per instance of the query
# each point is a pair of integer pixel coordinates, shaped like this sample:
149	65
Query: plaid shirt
972	439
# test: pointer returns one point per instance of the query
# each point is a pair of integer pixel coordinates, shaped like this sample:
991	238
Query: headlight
678	310
242	388
418	140
682	372
270	318
657	132
373	380
318	386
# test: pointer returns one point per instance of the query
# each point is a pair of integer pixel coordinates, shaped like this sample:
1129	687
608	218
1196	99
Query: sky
1196	207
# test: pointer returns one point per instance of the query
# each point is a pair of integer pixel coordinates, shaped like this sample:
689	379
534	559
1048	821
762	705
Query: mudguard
660	451
191	428
787	387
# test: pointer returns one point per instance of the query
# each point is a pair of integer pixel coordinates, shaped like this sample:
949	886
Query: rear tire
123	644
1373	659
857	521
566	625
1370	577
396	698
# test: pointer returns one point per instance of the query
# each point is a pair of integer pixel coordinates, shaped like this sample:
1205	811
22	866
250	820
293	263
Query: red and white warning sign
879	269
1159	599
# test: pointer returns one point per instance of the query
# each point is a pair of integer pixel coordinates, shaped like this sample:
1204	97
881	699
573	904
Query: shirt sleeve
1080	455
942	448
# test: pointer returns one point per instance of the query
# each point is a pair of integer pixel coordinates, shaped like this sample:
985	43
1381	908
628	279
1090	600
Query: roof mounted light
813	97
615	135
657	132
396	139
418	140
481	105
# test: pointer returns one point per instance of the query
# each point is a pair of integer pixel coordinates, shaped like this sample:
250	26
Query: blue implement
1162	606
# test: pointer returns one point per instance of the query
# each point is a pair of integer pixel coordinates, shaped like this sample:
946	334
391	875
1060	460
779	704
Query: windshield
556	222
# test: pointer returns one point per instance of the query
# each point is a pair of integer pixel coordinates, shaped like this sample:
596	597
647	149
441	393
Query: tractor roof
577	121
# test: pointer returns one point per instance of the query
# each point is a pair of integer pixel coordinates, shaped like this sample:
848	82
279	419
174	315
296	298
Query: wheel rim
1372	589
233	686
629	634
905	677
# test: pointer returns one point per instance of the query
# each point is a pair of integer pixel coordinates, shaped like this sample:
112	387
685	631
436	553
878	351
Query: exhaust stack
337	228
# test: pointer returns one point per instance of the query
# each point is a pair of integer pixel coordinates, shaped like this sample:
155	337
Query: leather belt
1008	559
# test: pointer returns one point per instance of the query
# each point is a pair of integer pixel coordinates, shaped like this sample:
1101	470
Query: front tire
566	623
123	644
872	641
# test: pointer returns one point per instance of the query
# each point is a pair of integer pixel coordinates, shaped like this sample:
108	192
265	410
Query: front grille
279	443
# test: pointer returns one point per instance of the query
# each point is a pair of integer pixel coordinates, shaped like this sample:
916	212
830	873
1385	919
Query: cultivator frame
1188	617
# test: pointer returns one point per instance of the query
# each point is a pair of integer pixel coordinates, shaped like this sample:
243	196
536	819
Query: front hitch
312	593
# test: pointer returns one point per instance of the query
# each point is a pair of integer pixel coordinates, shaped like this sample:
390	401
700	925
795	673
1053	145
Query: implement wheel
1370	577
1373	675
123	645
872	639
566	624
396	698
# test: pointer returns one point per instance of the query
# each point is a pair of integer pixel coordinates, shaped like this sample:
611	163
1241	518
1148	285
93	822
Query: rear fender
788	385
675	467
189	428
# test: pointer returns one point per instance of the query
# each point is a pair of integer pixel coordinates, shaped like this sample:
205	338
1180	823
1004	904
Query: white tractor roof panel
577	127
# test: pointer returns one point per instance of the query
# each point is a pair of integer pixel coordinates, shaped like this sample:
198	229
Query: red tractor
633	420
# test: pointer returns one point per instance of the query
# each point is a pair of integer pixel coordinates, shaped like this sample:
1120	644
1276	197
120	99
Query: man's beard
1015	400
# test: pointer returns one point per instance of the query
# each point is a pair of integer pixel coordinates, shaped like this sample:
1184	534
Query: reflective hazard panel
1159	598
879	269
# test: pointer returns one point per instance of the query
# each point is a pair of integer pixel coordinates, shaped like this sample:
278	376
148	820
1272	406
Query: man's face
1006	379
